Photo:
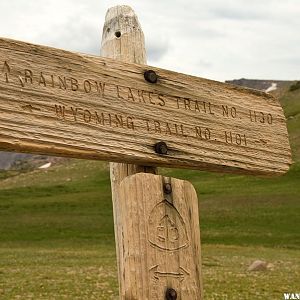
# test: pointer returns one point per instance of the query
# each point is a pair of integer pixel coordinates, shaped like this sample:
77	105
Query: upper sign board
68	104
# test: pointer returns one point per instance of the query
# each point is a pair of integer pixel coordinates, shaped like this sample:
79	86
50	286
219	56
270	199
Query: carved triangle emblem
166	227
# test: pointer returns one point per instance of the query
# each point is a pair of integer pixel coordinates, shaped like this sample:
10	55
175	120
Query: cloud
234	13
157	47
76	34
209	38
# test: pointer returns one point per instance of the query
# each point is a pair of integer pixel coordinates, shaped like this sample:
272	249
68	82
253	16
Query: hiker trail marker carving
117	108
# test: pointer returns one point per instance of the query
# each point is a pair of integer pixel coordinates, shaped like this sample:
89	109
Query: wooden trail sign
161	234
62	103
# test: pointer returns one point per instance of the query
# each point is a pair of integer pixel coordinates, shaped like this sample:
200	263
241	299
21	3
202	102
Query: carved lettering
130	95
182	130
74	84
194	105
21	81
109	120
203	133
6	70
52	81
229	111
120	93
260	117
148	125
130	123
176	129
99	118
187	104
141	96
204	107
28	75
178	102
135	95
100	86
60	111
210	108
151	98
42	80
157	127
166	128
235	138
81	115
269	119
87	116
197	107
162	101
74	112
87	86
119	120
62	81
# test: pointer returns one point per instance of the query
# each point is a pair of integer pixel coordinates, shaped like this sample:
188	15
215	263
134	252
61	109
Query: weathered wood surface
161	238
62	103
129	47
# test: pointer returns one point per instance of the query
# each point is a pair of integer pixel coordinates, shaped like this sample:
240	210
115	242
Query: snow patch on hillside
45	166
271	88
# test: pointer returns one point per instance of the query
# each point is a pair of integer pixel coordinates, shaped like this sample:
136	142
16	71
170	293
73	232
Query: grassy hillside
56	230
290	101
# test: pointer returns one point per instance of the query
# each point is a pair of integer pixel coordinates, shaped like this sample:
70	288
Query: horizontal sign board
68	104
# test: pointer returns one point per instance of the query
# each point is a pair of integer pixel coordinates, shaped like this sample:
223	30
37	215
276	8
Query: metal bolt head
171	294
161	148
167	188
150	76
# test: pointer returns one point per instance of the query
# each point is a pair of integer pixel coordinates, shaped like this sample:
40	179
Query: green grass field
57	241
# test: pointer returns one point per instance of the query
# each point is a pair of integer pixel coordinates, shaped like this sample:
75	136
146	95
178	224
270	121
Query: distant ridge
22	161
260	84
7	159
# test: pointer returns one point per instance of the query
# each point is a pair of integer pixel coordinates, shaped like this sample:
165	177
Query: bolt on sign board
69	104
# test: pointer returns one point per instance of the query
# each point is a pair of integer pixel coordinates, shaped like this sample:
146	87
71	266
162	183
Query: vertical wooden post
156	229
123	39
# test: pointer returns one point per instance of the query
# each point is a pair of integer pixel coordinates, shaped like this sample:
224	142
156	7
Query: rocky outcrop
21	161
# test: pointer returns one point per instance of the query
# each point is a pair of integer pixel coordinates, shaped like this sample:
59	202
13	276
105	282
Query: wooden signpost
119	109
69	104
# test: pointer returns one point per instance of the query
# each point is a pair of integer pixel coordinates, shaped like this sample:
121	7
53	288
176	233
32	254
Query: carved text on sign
28	77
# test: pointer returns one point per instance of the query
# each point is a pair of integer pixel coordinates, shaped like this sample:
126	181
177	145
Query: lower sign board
68	104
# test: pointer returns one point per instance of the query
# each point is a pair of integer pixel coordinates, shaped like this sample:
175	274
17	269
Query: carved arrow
30	108
180	274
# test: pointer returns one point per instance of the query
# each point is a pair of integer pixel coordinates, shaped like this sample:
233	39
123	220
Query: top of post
122	36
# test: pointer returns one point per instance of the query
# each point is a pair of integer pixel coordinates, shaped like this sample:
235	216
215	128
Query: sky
214	39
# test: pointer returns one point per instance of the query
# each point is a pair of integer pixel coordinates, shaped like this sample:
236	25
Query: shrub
295	86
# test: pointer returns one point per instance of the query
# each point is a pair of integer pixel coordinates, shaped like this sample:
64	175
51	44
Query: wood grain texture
67	104
129	47
161	238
